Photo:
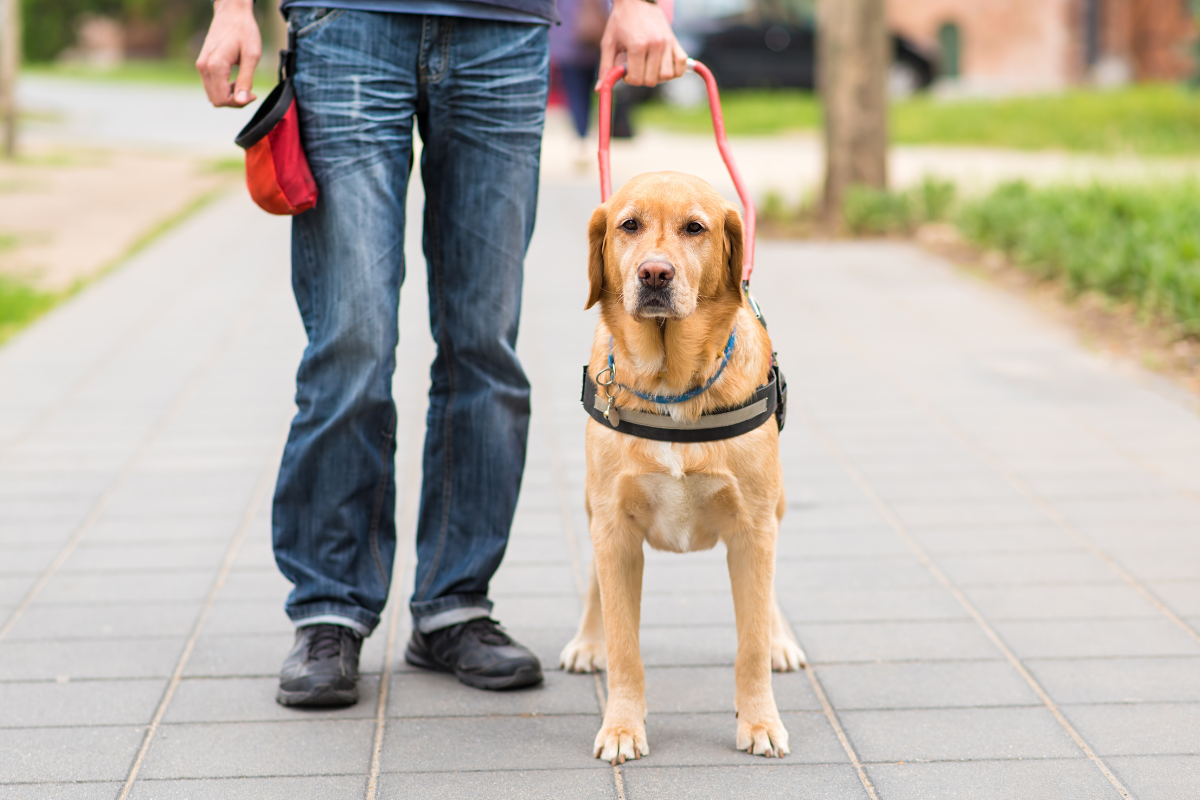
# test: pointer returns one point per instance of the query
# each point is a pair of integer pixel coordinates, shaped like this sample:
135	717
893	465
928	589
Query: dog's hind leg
786	654
619	562
751	557
585	653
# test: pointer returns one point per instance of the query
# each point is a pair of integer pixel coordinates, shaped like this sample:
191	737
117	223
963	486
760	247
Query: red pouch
277	172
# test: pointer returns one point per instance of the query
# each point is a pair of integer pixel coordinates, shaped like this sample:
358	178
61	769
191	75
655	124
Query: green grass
21	304
222	165
748	112
1151	119
1138	244
164	72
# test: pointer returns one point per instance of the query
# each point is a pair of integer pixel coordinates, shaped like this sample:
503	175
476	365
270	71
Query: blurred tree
155	28
10	59
50	24
1194	81
853	52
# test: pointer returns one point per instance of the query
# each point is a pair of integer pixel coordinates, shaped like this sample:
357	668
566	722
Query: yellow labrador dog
665	265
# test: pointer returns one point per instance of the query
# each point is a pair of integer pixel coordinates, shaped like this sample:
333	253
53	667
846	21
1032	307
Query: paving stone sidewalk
991	552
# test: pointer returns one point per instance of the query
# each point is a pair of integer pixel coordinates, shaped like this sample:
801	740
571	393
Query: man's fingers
654	57
245	79
666	65
216	81
681	59
635	67
608	55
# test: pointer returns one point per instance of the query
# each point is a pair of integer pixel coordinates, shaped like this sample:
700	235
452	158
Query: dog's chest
682	517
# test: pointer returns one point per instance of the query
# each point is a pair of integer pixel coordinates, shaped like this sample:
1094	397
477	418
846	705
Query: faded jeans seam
389	436
448	347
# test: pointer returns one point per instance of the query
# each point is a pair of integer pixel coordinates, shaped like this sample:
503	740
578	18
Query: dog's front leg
619	561
751	558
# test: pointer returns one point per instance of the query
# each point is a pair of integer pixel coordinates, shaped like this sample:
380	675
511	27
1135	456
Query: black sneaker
322	668
478	652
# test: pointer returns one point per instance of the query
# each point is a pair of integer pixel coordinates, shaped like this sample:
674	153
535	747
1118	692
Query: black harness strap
769	400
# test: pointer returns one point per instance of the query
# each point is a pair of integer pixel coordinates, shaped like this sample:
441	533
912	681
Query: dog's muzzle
656	295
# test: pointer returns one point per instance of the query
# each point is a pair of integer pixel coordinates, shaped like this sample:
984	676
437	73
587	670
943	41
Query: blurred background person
575	53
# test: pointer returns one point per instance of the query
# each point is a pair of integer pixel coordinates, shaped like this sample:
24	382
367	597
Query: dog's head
662	243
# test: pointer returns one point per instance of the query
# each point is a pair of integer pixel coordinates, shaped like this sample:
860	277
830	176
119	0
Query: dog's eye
630	225
694	227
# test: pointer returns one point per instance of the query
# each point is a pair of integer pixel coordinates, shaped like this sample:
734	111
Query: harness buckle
758	315
611	390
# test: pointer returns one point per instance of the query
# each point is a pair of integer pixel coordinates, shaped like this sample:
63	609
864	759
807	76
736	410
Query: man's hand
233	38
641	31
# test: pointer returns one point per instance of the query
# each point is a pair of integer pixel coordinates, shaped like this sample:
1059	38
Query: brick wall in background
1040	45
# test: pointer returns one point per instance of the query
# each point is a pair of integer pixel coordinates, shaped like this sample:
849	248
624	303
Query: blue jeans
477	89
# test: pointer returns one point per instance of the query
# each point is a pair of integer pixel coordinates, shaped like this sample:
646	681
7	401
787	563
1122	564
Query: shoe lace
487	630
326	642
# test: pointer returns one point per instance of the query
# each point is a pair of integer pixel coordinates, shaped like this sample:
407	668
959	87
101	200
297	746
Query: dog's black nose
656	274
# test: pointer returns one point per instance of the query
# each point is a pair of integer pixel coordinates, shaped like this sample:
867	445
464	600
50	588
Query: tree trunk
10	58
853	55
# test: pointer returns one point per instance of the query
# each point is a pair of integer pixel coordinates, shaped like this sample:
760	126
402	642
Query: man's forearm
233	38
227	6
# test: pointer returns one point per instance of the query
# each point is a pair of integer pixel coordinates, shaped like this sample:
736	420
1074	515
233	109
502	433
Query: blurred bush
1133	243
153	28
876	212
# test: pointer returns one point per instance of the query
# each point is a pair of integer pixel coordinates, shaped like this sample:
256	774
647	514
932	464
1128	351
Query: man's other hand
640	30
233	38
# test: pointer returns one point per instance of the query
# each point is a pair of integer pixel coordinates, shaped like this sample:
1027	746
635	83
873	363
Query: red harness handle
714	103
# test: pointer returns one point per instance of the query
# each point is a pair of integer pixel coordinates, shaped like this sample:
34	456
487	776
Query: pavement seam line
564	506
560	488
1140	460
831	715
264	483
1018	483
184	396
898	526
381	705
411	499
620	782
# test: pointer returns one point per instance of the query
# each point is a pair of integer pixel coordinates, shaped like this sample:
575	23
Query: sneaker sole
323	696
526	676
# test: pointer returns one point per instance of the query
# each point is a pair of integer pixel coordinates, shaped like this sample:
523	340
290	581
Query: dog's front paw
786	655
582	655
764	737
618	742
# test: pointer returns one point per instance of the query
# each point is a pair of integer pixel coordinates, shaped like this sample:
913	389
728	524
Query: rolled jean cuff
358	619
443	612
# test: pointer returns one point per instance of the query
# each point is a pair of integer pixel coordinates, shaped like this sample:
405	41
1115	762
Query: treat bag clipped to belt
277	172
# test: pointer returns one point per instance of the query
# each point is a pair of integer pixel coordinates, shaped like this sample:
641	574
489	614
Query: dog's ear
597	231
734	247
